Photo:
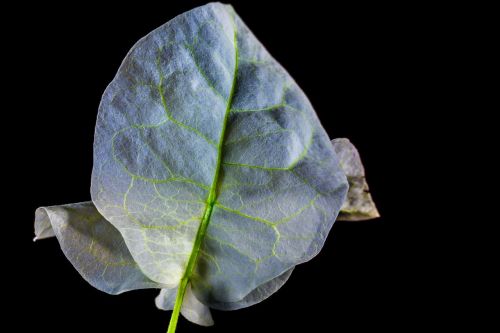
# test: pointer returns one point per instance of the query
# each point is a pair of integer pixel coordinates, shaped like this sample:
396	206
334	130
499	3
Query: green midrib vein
212	196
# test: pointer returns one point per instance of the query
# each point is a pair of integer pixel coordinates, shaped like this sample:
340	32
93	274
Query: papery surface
93	246
359	205
201	118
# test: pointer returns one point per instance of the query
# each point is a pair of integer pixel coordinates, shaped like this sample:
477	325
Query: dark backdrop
360	67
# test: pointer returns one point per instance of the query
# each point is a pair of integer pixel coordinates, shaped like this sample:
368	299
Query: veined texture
206	148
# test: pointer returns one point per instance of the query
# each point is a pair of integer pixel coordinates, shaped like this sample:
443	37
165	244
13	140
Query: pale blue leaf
94	247
207	152
166	299
257	295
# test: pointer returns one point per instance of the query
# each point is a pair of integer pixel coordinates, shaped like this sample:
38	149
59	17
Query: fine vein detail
212	196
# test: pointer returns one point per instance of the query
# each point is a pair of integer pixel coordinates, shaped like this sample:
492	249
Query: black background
362	67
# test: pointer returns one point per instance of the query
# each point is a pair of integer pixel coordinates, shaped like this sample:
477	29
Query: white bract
213	177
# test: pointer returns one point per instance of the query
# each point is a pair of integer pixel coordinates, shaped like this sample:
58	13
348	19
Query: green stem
177	307
212	195
190	267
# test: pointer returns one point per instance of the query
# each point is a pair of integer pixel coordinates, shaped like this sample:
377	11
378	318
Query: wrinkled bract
213	177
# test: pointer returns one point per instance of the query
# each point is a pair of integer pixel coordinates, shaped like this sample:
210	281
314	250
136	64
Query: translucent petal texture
192	309
166	299
257	295
206	151
359	205
94	247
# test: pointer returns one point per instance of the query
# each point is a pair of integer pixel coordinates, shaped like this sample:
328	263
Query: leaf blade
158	178
93	246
